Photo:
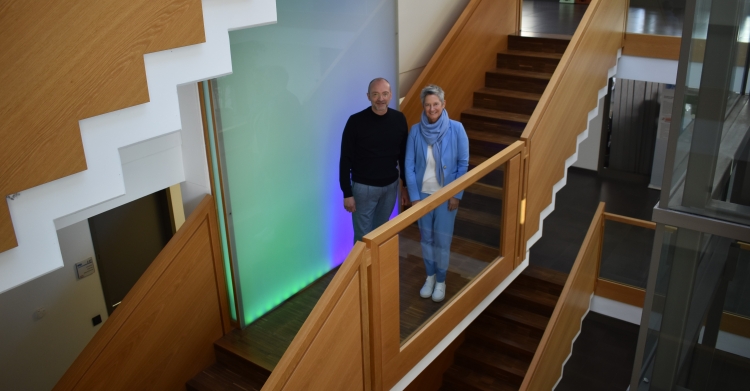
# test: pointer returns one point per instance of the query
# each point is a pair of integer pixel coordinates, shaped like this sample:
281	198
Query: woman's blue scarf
433	134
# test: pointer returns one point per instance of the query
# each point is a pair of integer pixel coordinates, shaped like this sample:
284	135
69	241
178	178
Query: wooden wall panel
163	332
565	323
334	359
467	52
390	326
562	113
620	292
331	350
67	61
652	46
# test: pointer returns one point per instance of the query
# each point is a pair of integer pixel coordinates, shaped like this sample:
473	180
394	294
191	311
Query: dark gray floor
602	357
644	17
551	17
656	17
604	348
575	205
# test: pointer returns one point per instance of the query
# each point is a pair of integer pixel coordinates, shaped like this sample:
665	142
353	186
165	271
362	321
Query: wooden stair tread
261	344
496	332
509	93
234	343
477	217
526	53
531	34
518	315
530	294
486	190
500	361
220	378
521	73
459	245
460	377
499	115
548	275
492	137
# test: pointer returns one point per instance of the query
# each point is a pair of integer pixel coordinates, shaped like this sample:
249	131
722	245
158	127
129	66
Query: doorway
126	240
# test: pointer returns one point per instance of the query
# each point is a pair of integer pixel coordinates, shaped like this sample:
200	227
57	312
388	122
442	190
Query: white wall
588	149
197	182
631	68
647	69
34	354
422	26
130	153
36	209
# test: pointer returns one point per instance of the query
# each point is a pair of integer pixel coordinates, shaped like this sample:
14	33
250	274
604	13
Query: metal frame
679	102
705	224
647	304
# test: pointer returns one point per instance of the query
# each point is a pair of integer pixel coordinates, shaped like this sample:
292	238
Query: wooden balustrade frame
652	46
565	323
635	296
390	360
332	349
562	113
162	333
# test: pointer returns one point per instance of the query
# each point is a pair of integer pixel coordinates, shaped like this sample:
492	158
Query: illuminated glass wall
279	118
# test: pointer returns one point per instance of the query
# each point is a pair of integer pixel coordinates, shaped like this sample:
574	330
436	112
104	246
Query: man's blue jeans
374	206
436	229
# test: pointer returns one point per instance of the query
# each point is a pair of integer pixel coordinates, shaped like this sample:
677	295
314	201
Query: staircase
512	90
497	118
245	358
501	342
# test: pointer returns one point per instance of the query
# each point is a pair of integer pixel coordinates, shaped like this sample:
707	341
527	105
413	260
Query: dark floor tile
602	356
575	204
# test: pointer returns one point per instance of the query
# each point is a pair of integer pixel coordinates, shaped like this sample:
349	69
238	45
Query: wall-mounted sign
85	268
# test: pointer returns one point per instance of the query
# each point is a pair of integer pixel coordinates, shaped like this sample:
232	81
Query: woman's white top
429	181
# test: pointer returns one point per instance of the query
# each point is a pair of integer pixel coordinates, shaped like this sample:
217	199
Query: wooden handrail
403	220
556	344
629	220
562	113
301	352
161	334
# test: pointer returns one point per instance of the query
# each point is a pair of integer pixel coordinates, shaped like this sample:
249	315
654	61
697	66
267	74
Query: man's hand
350	205
404	197
453	204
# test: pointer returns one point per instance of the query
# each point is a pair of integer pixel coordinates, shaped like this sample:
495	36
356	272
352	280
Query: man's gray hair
377	79
432	90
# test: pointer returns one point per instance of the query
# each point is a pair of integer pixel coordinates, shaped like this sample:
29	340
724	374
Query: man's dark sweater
371	146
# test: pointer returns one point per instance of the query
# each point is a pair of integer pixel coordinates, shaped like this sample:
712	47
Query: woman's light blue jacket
455	159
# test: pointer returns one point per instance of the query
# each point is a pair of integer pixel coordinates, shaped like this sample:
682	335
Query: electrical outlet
96	320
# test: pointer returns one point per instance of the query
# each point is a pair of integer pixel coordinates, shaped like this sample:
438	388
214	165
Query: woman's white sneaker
438	294
427	288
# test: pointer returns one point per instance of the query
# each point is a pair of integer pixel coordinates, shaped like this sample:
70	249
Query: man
373	143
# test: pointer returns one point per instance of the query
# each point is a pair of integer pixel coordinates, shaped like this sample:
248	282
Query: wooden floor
415	310
644	17
245	358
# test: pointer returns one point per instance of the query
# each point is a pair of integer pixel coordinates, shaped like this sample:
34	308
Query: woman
437	152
